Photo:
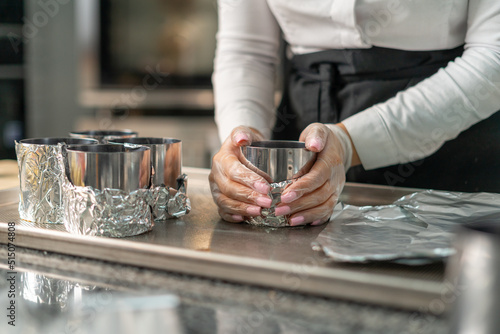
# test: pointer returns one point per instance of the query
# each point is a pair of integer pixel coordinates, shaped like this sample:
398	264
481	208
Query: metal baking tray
204	245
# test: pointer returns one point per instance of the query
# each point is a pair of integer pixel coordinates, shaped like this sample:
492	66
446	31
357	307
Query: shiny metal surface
104	135
202	244
39	172
475	273
278	161
166	158
114	166
130	315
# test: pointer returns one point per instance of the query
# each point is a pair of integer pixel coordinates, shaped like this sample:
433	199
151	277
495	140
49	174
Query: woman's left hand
312	197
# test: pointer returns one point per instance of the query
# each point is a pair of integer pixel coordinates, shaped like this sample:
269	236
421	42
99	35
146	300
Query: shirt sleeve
416	122
245	65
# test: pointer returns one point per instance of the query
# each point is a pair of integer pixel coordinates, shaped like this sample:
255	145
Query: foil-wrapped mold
106	212
40	195
97	190
116	212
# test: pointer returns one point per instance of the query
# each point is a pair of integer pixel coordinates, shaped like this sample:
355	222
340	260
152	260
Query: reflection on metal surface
417	227
278	161
50	304
125	167
129	315
475	274
40	289
39	173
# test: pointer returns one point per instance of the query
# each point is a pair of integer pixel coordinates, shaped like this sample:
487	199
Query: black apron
329	86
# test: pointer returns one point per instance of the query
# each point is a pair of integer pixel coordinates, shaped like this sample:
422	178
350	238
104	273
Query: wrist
355	160
345	144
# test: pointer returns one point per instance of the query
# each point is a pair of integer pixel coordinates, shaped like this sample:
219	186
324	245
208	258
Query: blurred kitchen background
111	64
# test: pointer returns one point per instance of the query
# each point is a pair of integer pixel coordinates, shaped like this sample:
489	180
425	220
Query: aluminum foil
416	229
115	212
40	192
167	202
267	217
40	289
107	212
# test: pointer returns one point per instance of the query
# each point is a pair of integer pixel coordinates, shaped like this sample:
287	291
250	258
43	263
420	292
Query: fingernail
253	210
261	187
315	144
264	202
297	220
289	197
237	217
241	137
316	222
282	210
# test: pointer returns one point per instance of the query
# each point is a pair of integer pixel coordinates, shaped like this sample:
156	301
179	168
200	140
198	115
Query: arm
244	69
416	122
246	57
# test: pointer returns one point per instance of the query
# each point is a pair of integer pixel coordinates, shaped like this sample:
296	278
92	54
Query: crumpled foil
267	217
167	202
415	229
115	212
40	289
109	212
40	192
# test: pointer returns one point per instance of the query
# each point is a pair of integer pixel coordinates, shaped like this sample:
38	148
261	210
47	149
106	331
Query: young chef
370	83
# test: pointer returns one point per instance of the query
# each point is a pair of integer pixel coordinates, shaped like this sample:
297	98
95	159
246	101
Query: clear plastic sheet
416	229
40	194
267	217
117	213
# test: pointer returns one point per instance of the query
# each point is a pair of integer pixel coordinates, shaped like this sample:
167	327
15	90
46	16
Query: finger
234	207
306	202
320	173
231	169
315	215
243	135
231	218
242	193
315	137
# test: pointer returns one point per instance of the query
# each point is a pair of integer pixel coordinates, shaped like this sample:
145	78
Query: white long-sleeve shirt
407	127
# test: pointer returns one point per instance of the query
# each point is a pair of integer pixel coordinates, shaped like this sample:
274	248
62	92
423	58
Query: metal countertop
204	245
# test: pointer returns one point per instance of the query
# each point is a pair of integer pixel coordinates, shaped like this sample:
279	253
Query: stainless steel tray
204	245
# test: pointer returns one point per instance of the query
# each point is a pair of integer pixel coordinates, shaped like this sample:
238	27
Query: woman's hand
312	197
237	191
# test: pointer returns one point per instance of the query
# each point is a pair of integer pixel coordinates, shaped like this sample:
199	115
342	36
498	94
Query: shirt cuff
371	139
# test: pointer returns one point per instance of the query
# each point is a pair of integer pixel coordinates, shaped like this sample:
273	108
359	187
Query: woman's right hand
238	191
